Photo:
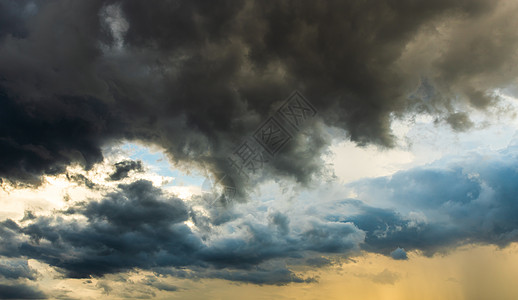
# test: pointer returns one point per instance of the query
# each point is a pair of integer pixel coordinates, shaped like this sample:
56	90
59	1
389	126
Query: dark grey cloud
153	281
81	180
134	222
138	227
123	168
59	134
196	77
13	15
386	229
435	208
318	262
16	269
20	291
276	276
267	274
399	254
454	201
28	215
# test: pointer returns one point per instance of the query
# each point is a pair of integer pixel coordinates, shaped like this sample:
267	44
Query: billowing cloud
20	291
452	202
139	227
196	77
123	168
15	269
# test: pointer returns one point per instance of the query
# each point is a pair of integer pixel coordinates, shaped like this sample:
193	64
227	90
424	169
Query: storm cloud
455	201
123	168
432	209
17	269
140	227
20	291
196	78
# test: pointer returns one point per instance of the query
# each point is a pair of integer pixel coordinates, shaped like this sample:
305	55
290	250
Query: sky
258	149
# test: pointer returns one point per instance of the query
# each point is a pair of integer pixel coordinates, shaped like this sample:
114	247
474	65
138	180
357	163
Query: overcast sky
258	149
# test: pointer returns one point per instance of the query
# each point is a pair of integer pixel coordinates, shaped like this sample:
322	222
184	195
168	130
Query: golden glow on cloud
470	272
406	146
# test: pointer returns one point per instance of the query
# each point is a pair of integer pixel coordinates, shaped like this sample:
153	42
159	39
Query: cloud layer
196	77
138	227
452	202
